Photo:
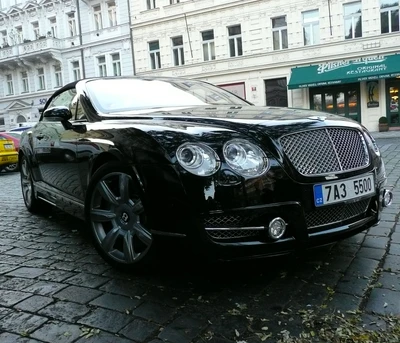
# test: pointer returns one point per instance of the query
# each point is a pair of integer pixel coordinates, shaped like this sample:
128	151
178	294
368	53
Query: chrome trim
235	228
169	234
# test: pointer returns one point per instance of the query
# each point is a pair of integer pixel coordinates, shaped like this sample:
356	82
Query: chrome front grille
326	150
336	213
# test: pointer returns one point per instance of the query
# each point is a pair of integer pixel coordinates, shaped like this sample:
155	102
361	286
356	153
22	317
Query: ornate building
336	56
46	44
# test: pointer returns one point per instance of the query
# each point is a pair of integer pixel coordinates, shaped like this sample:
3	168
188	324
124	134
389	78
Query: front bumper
9	158
305	230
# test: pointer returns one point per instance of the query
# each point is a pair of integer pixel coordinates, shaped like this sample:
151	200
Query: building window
155	58
76	70
389	16
311	27
112	13
98	19
10	85
116	64
151	4
177	51
35	30
102	66
4	38
53	27
352	20
25	82
58	76
171	2
208	45
72	24
41	82
235	41
279	33
276	92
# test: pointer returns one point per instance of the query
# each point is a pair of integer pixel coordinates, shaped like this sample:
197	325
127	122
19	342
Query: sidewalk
387	134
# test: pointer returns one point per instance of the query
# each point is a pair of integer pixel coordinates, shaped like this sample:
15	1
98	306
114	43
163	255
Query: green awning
345	71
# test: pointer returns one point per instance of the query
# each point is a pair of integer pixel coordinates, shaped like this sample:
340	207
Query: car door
55	150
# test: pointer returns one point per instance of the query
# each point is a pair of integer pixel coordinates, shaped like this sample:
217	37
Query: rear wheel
117	217
32	203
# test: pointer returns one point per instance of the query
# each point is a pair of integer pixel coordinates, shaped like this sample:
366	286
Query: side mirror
58	113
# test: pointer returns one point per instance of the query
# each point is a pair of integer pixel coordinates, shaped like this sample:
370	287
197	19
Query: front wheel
12	167
117	217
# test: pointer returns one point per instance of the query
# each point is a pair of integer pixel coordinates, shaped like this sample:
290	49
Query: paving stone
10	298
371	253
27	272
66	311
34	303
394	249
56	275
95	259
45	287
4	312
106	320
67	266
225	326
16	284
87	280
373	323
375	242
96	269
140	330
116	302
124	287
42	254
20	322
76	294
182	330
379	231
154	312
383	302
352	285
57	332
104	337
396	237
390	281
343	303
338	263
7	337
5	268
4	248
392	263
19	252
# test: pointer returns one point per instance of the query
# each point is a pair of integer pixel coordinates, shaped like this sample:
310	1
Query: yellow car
8	154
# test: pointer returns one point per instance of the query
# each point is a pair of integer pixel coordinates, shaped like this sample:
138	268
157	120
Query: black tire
33	204
117	220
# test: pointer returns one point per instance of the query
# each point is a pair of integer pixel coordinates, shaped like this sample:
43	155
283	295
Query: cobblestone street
55	288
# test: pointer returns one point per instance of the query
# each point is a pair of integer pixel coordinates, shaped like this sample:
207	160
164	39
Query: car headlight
198	159
372	143
245	158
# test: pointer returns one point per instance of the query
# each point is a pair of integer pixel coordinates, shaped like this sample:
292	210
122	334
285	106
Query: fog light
277	228
387	198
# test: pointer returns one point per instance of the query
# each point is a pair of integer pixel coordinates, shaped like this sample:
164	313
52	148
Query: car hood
275	121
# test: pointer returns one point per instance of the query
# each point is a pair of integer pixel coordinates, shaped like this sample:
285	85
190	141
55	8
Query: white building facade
46	44
336	56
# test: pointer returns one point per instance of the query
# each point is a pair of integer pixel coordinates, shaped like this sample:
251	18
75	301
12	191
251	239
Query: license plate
4	159
8	146
333	192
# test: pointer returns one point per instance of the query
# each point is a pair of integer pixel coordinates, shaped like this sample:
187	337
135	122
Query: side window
76	109
63	99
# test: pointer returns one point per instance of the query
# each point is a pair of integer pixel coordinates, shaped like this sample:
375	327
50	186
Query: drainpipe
131	37
78	11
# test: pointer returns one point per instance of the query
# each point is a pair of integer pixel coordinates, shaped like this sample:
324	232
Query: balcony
28	53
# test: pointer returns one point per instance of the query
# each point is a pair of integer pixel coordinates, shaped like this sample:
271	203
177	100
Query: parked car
15	137
141	159
8	153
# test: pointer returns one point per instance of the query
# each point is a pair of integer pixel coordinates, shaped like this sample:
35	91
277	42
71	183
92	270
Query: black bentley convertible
145	158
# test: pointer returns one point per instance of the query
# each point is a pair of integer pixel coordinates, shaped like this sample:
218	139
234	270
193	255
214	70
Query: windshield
118	95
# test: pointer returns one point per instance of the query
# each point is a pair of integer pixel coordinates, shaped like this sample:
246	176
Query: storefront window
276	92
394	104
317	102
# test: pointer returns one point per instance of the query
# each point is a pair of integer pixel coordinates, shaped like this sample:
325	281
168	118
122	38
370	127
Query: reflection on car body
198	163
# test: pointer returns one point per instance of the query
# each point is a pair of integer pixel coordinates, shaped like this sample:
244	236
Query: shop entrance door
341	100
392	102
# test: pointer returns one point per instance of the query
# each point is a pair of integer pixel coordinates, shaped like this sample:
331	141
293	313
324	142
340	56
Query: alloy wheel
26	183
117	218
